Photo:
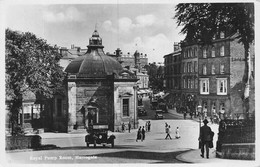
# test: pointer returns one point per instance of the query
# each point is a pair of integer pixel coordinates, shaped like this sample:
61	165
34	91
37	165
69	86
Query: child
177	132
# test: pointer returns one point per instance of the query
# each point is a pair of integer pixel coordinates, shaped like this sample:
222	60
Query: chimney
176	46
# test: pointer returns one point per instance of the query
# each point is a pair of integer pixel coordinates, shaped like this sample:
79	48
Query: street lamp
199	112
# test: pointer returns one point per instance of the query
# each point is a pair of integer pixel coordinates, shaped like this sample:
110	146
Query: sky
148	28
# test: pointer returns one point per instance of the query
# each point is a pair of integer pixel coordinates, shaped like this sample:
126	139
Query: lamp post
200	112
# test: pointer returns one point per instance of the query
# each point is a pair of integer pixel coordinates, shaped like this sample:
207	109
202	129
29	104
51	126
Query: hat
205	121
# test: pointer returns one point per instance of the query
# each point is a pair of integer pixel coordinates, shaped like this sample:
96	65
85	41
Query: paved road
154	149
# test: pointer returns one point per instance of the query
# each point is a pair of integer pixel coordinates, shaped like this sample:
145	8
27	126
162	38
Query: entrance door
80	117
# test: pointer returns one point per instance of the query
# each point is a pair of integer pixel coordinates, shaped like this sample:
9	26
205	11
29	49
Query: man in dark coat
205	138
143	133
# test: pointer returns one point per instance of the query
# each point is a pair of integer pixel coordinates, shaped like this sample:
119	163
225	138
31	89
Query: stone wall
22	142
242	151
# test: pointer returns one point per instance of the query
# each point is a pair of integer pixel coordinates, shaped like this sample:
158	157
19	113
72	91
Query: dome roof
94	63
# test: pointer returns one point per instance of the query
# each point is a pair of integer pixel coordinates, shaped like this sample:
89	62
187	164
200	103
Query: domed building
99	91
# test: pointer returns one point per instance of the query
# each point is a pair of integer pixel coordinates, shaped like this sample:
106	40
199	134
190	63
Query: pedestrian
146	126
123	127
143	134
129	127
166	126
168	132
177	132
191	114
139	134
184	114
149	126
205	138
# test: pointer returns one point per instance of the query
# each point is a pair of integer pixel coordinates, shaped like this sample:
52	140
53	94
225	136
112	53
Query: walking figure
129	127
143	134
149	126
191	114
123	127
205	138
168	132
177	132
139	134
184	114
166	126
146	126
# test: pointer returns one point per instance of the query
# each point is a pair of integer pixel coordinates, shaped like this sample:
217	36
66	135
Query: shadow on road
99	147
166	157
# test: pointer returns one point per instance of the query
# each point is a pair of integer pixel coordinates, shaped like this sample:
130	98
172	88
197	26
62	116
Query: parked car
141	111
158	114
98	134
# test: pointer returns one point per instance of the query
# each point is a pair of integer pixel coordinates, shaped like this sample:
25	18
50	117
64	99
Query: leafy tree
202	21
31	66
155	76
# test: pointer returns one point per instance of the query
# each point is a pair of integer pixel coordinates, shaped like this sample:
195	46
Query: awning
165	96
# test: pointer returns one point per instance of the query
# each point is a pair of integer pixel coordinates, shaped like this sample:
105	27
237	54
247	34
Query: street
154	149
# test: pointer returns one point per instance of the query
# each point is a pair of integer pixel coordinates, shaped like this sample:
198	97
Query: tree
155	76
31	66
204	20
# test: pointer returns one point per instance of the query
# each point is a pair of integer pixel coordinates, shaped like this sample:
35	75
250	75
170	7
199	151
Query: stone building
189	55
99	90
211	76
221	69
173	73
137	60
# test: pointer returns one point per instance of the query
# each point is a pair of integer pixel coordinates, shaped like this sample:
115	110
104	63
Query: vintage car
98	134
158	114
141	111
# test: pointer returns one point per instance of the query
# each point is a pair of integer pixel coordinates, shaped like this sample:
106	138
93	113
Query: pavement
191	155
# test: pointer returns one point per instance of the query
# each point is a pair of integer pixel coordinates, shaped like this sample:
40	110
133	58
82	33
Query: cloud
70	14
126	25
108	26
155	47
145	20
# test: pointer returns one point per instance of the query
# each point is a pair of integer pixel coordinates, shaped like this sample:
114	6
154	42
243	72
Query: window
188	68
222	86
213	52
191	67
222	69
204	69
195	52
196	83
125	107
184	68
222	51
204	53
191	83
188	83
212	69
184	83
204	86
195	66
